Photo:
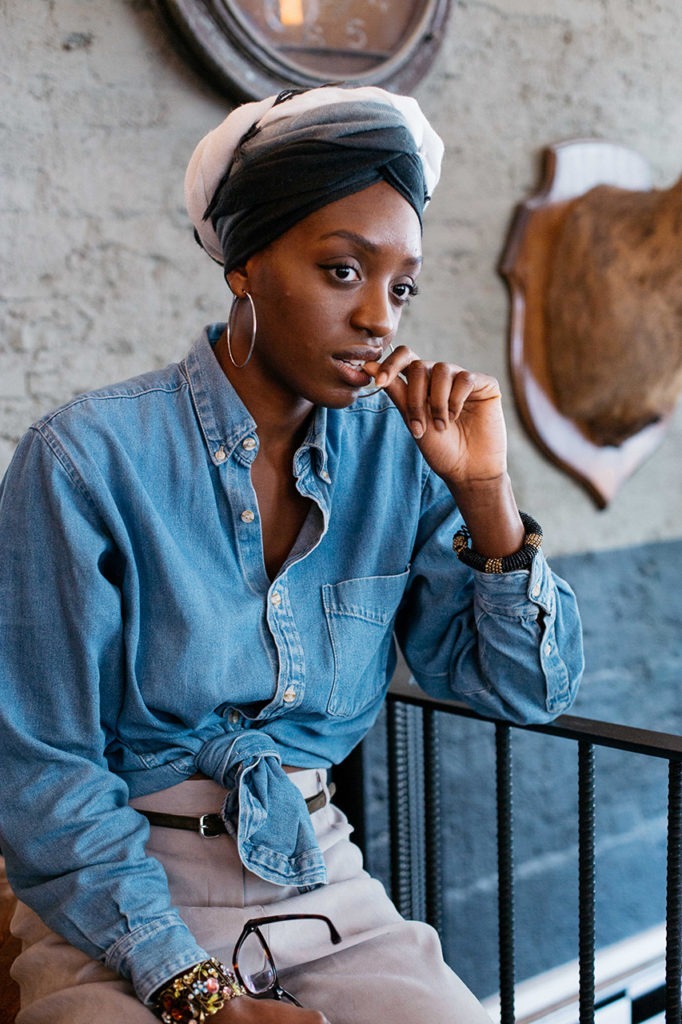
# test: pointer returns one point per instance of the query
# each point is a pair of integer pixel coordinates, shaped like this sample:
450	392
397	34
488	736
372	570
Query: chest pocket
360	615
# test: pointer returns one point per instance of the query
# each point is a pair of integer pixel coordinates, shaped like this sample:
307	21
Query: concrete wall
100	278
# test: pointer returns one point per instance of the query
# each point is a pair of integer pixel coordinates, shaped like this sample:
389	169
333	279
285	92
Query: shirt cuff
154	953
510	591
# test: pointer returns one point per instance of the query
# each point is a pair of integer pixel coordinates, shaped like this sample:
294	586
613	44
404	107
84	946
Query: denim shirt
141	638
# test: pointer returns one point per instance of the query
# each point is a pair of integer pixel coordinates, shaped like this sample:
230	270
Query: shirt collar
315	441
225	420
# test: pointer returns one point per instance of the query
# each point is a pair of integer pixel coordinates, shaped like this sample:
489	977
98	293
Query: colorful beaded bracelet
521	559
198	993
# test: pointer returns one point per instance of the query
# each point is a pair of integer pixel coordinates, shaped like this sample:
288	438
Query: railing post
406	795
586	881
673	953
432	844
505	868
399	806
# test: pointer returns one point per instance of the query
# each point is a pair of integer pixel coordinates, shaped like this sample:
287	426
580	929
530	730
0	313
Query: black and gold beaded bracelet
521	559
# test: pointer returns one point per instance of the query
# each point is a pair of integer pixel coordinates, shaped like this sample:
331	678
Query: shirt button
325	476
536	590
233	717
548	649
249	443
220	455
276	598
247	516
289	695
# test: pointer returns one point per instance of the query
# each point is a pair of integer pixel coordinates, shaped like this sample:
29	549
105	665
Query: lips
351	372
350	365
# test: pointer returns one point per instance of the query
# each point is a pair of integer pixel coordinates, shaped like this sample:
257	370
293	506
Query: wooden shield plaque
612	178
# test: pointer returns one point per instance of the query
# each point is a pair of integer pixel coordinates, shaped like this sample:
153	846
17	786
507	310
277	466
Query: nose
374	313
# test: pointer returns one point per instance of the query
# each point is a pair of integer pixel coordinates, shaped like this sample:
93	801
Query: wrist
481	491
198	993
491	515
521	558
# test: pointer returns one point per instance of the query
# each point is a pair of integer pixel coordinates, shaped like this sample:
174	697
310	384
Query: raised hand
455	417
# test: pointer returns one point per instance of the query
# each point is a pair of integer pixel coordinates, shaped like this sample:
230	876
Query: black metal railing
415	849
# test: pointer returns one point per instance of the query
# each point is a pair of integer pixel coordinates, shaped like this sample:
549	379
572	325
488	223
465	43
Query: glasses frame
368	390
252	927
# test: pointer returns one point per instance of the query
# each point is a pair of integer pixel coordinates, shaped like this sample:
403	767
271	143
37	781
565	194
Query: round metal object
252	48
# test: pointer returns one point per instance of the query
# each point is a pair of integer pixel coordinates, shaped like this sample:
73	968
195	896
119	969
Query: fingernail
440	424
416	428
381	378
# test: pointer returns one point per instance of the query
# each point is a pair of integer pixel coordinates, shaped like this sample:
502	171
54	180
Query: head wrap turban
273	162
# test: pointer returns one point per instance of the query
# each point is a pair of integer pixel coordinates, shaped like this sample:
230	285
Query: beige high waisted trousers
385	970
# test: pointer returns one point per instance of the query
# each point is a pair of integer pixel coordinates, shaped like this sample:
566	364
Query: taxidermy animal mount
615	308
594	266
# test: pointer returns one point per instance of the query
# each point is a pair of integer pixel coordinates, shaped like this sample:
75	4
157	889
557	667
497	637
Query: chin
337	401
330	397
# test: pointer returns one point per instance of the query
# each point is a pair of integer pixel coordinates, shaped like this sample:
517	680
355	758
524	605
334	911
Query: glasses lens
254	965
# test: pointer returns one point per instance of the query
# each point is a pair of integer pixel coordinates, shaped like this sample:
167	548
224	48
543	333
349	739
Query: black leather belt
210	826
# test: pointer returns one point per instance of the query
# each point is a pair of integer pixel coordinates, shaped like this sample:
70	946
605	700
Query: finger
410	394
468	386
418	413
463	386
440	394
394	364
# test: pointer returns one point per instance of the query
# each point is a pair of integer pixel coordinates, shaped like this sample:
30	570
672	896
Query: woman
215	560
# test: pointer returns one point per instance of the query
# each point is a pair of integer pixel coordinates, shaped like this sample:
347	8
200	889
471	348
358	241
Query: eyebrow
368	246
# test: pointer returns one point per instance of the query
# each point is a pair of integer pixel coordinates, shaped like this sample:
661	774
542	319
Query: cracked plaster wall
100	278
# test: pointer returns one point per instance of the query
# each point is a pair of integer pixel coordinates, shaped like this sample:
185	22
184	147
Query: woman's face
330	292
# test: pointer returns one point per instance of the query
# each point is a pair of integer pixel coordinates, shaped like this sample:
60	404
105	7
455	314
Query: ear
238	280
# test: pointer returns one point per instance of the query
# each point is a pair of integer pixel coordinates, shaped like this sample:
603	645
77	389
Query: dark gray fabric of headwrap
287	170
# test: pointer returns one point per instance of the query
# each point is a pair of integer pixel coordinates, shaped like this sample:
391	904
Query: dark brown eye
343	272
405	291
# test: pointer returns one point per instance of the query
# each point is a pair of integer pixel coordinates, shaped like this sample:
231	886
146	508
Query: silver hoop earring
254	325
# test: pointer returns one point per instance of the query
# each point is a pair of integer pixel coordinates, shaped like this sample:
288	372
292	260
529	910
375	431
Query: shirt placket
278	594
243	506
282	597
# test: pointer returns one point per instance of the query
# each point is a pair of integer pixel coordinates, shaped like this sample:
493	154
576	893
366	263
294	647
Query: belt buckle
208	828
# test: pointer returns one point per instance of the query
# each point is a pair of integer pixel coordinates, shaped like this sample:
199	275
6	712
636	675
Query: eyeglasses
253	962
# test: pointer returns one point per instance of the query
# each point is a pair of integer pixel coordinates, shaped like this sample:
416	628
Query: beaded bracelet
198	993
521	559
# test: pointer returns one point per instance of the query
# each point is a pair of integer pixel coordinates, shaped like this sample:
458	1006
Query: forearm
508	643
104	895
512	650
491	515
